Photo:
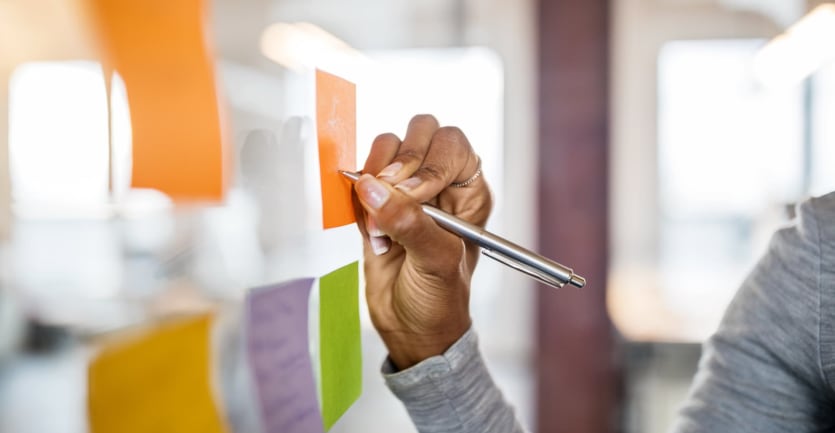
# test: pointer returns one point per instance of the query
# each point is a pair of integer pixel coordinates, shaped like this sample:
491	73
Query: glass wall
730	161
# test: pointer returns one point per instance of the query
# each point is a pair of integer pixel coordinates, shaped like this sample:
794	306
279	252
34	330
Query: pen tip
350	175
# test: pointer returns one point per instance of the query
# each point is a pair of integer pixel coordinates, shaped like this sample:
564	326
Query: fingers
412	150
402	218
450	158
374	238
427	161
424	166
383	150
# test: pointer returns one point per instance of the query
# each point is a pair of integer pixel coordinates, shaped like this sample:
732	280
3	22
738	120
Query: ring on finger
471	179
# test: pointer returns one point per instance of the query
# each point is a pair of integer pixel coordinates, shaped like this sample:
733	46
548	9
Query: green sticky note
339	342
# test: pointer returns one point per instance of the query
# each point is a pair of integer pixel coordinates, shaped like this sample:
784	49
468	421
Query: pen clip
531	272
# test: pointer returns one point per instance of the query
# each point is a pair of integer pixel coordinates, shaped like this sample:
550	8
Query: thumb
401	218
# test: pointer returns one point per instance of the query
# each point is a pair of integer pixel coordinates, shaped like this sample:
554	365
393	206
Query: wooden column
578	374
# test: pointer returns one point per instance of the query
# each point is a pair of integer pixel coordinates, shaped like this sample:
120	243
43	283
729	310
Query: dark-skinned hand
418	274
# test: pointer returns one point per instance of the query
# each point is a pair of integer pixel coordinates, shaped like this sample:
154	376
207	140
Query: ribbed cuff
452	392
463	350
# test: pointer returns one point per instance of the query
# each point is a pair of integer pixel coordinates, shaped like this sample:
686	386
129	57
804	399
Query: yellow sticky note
155	382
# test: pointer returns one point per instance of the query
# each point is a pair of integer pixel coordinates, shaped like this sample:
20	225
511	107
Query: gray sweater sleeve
453	392
762	370
769	368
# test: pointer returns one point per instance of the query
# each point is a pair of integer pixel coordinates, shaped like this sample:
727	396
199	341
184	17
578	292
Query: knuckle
453	140
407	156
431	172
449	262
451	134
386	139
423	118
485	208
406	224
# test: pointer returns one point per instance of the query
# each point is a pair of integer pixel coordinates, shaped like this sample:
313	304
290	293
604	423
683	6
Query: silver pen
502	250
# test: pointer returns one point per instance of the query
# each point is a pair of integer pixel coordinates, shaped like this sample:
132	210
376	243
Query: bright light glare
58	137
712	120
304	45
803	49
121	136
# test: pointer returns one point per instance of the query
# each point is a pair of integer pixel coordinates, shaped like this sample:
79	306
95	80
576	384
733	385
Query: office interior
652	145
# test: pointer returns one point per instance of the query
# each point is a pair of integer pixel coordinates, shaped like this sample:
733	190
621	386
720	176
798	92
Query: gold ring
472	178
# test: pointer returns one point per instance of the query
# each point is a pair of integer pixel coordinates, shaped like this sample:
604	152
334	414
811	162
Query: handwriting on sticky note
160	49
336	127
277	349
157	381
340	347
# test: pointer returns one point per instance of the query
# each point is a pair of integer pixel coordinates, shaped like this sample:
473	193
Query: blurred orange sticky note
159	48
336	126
155	382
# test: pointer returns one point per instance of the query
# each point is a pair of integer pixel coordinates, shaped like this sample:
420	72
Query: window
58	137
822	93
730	162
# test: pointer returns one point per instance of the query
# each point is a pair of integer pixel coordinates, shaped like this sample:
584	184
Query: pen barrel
509	253
530	260
539	267
464	229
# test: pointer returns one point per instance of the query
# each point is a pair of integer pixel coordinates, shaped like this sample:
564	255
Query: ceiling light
801	50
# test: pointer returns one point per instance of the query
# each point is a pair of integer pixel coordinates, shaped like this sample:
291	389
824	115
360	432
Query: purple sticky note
277	345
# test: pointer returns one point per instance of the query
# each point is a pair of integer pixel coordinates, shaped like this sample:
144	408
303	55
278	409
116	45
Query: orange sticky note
155	382
159	48
336	126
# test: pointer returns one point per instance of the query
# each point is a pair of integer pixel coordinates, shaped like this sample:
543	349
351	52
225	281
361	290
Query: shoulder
775	315
824	203
777	337
796	250
819	213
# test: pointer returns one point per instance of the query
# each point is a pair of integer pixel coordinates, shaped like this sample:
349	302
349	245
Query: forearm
453	392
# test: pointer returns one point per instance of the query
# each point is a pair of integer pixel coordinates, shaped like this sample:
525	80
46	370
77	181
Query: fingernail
379	245
372	191
409	184
391	170
373	230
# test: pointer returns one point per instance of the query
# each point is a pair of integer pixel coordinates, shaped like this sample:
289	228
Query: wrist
408	349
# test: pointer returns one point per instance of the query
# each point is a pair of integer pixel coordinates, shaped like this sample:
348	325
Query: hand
418	274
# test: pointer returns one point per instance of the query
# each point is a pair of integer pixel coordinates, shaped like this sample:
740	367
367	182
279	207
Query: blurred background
652	145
